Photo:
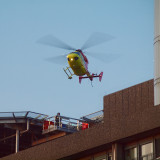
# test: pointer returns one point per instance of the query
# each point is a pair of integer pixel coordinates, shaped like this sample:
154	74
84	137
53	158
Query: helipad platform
21	130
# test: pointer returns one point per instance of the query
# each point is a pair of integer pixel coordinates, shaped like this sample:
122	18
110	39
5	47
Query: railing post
17	141
54	122
78	125
59	122
69	125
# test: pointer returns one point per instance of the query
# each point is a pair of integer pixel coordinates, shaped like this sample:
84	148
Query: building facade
130	130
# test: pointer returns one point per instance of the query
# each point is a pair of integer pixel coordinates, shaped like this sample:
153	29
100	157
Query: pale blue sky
28	82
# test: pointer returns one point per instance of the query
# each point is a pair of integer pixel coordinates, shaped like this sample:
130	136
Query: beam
17	140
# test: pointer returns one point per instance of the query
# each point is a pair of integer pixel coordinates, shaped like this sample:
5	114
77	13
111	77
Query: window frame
144	143
130	147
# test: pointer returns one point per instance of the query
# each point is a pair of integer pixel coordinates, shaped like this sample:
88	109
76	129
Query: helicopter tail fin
91	77
100	76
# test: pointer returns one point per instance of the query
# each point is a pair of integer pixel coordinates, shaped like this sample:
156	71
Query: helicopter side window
78	53
76	58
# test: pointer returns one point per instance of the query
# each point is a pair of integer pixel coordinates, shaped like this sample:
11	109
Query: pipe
21	132
18	134
17	141
157	53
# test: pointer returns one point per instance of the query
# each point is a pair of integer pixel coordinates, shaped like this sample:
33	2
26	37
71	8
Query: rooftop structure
129	130
22	130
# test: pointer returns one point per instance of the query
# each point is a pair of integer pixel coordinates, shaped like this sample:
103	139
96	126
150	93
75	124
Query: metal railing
50	123
64	123
22	115
95	117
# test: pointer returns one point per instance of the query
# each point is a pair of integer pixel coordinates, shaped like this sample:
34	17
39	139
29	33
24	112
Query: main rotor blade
54	42
96	39
104	57
62	59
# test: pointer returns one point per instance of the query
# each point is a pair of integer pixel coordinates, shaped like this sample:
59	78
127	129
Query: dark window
68	59
131	154
103	157
107	156
157	146
110	156
75	58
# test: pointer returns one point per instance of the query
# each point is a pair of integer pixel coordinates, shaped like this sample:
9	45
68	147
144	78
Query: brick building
130	130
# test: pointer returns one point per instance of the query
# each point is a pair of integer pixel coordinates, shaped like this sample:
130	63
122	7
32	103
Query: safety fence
63	123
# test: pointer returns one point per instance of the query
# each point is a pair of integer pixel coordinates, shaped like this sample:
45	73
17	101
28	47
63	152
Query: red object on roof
46	124
85	126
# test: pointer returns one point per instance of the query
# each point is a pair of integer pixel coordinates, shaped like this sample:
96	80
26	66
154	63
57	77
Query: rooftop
21	130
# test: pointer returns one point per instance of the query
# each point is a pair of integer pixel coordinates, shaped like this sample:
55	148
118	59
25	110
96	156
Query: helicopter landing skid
91	77
68	72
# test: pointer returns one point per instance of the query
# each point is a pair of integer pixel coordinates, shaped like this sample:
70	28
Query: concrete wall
126	113
131	111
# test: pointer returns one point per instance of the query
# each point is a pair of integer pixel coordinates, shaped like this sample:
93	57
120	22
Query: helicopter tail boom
91	77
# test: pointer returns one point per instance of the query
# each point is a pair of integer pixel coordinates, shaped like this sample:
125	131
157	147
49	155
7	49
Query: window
103	157
147	151
109	156
76	58
131	154
86	158
157	146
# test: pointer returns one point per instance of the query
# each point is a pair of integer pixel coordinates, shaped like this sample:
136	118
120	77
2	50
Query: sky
30	83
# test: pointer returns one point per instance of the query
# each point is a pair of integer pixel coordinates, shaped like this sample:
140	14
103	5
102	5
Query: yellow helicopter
77	60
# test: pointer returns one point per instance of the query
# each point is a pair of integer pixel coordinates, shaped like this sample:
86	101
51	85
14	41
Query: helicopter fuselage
78	62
